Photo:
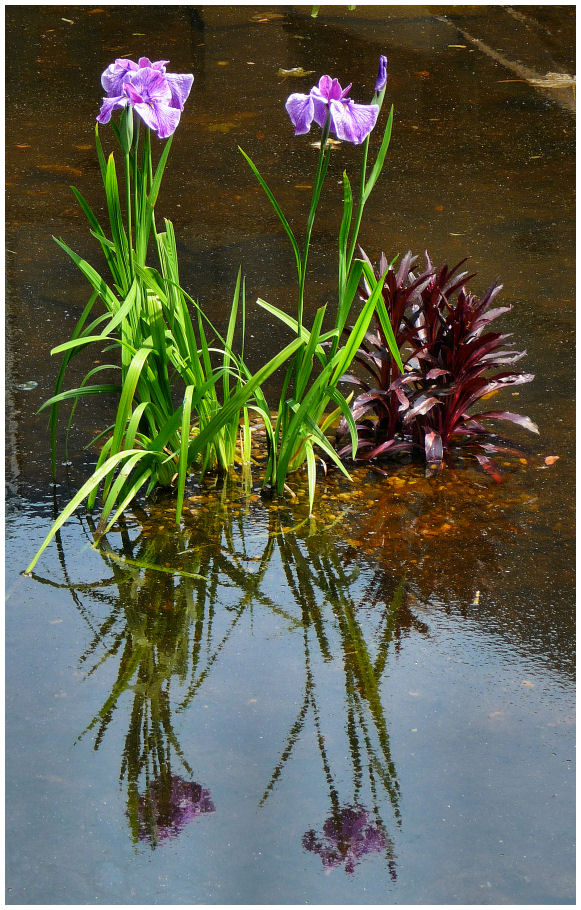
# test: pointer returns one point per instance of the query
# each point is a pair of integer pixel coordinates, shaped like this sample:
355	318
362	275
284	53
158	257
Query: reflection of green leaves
318	581
294	733
175	603
142	564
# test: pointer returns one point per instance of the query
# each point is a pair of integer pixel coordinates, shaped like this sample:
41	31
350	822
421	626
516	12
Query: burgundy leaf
489	466
433	448
436	372
424	404
525	422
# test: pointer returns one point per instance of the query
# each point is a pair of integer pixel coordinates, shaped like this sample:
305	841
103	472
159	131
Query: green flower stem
359	214
148	156
149	187
363	193
128	206
318	185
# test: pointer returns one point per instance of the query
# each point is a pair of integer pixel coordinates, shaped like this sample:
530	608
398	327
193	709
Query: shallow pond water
371	705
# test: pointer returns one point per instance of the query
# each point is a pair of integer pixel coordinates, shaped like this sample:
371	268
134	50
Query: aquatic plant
448	354
166	355
312	377
165	352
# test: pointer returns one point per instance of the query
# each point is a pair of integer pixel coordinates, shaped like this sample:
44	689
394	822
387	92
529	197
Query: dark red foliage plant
450	356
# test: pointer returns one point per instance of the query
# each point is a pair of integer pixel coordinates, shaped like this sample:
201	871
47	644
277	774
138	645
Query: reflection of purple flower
349	121
347	837
381	80
170	804
157	96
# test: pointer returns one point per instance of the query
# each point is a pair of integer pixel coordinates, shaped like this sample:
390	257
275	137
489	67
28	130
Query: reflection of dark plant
448	352
348	835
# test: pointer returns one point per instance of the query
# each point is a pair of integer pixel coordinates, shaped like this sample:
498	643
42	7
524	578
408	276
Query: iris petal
300	110
336	92
116	73
151	85
108	106
320	107
159	117
352	122
133	95
168	119
180	86
124	63
364	118
325	83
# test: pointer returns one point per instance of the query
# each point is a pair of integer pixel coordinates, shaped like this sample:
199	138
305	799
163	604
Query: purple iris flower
348	836
349	121
156	95
381	80
173	803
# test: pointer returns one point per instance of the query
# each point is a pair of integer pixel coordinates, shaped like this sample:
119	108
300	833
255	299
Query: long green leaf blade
277	209
376	170
382	314
358	331
105	293
85	490
183	461
240	398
